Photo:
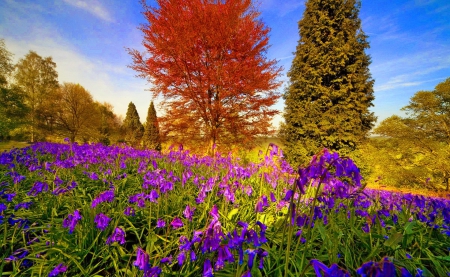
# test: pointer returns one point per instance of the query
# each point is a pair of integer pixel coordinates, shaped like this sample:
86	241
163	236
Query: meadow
94	210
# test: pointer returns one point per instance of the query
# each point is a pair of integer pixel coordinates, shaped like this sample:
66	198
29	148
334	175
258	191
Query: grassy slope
8	145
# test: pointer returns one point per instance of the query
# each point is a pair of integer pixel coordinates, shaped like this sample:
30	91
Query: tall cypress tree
327	101
134	129
151	137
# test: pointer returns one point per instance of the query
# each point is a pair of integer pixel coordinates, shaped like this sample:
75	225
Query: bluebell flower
9	196
181	257
72	220
142	259
118	235
37	188
3	207
408	256
102	221
167	260
322	270
207	269
57	270
160	223
17	255
272	197
129	211
384	268
23	205
189	212
106	196
176	223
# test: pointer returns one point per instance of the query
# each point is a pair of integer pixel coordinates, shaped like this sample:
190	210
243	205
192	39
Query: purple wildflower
272	197
9	196
142	260
37	188
118	235
3	207
160	223
333	271
181	257
17	255
207	269
106	196
129	211
176	223
288	195
102	221
167	260
384	268
57	270
72	220
23	205
189	212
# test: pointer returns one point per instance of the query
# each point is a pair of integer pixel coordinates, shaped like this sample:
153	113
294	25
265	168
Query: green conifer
151	137
327	101
134	129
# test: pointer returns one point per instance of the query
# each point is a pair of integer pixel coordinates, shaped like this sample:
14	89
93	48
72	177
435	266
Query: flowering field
93	210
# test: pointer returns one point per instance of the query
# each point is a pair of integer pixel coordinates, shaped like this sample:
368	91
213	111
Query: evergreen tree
133	126
331	89
151	137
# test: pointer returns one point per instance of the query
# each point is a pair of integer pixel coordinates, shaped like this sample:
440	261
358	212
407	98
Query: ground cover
93	210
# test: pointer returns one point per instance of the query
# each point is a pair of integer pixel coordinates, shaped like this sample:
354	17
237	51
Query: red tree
206	58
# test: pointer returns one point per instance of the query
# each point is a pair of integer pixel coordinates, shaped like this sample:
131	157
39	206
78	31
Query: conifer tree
151	137
134	129
327	101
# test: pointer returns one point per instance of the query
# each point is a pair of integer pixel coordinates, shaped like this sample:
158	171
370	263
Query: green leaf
394	240
232	213
409	228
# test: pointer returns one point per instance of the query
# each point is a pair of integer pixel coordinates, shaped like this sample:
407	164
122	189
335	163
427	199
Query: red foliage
206	58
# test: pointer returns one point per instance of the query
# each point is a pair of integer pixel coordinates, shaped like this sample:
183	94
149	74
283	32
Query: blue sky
409	39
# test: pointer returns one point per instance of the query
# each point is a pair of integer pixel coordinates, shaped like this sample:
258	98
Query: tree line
34	106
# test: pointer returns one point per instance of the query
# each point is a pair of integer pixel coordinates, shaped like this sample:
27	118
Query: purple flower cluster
106	196
118	235
102	221
142	262
61	268
72	220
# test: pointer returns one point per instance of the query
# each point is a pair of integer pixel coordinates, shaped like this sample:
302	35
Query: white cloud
92	6
106	82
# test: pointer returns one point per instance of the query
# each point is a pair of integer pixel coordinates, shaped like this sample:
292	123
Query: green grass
8	145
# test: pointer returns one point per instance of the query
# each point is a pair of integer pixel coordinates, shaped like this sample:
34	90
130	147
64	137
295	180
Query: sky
87	39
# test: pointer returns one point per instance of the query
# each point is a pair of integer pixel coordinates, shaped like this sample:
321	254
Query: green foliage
12	107
133	126
331	89
151	138
38	79
420	142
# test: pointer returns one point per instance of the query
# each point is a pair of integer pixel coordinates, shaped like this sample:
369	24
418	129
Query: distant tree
134	129
6	65
423	137
12	108
38	79
327	101
109	124
151	137
207	60
76	111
